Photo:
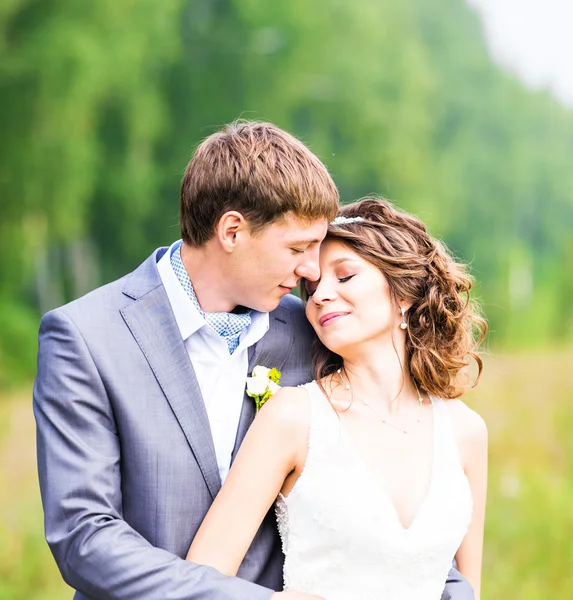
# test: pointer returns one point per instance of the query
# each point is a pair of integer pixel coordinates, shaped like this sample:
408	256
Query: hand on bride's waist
292	595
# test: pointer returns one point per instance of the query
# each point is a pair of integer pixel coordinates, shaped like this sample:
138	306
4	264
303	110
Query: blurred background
460	111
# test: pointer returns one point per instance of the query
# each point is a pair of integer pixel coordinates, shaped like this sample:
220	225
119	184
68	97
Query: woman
380	472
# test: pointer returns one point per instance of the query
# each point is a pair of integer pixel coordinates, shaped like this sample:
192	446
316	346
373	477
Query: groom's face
269	264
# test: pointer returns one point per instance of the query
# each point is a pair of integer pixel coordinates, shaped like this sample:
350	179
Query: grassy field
27	569
527	401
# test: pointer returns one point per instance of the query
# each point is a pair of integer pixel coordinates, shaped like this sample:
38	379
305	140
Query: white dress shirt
221	376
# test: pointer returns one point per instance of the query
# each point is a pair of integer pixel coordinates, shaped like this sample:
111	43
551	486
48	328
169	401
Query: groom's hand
294	596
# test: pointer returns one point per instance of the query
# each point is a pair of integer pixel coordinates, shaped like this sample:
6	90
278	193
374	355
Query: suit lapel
155	330
270	351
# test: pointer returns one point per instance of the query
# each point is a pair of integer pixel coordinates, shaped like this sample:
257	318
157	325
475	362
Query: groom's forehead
297	231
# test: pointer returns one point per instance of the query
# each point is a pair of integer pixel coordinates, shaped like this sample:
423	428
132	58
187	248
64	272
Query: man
139	398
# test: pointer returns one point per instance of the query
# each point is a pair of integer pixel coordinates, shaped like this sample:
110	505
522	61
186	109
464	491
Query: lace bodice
341	535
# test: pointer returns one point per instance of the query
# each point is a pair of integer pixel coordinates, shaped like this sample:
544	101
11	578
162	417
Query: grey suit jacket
126	461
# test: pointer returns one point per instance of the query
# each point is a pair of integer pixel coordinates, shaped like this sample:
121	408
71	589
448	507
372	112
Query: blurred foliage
103	103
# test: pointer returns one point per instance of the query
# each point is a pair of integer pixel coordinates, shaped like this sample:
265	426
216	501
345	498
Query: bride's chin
332	347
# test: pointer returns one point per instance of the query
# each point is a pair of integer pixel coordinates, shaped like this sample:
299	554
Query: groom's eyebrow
309	242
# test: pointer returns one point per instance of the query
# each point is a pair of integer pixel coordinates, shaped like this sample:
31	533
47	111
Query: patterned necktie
228	325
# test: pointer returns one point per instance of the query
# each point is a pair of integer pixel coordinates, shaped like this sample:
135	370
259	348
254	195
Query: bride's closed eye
310	288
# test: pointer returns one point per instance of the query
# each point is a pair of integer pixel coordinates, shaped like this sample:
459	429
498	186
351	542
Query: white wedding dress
341	535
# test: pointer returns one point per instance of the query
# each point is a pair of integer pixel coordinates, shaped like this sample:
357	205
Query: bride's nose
324	292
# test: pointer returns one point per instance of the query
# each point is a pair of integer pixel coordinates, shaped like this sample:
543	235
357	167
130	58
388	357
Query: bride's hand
294	596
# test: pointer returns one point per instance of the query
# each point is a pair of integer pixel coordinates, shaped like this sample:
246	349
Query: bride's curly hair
444	324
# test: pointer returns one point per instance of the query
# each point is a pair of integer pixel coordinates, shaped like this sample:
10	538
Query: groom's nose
309	267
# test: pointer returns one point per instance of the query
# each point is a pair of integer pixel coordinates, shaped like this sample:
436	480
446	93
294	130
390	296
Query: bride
377	470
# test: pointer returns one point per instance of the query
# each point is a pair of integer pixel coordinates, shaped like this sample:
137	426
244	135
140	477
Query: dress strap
324	434
446	450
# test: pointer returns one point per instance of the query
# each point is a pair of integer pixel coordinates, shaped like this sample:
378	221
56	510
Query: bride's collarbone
401	464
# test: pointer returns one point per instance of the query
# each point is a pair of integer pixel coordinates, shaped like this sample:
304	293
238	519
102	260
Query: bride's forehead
335	251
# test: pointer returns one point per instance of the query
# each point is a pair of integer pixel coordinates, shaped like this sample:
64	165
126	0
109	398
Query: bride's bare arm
471	432
274	448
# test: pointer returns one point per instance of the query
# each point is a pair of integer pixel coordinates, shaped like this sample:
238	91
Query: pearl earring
403	324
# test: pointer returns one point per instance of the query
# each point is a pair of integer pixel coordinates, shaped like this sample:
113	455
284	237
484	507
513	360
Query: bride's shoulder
469	427
466	420
288	409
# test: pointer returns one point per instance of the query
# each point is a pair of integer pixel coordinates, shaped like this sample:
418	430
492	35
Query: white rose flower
274	387
257	385
263	384
260	371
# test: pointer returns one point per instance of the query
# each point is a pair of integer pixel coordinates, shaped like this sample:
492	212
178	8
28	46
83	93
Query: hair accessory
404	323
340	220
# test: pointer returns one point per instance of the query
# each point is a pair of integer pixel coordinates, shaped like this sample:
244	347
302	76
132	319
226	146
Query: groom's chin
268	304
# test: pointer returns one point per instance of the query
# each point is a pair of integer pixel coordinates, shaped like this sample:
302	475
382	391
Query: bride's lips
330	318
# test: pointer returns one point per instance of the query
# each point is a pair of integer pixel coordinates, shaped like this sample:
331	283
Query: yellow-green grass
527	402
27	569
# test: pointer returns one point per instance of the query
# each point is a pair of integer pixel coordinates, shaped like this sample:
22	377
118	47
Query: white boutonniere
263	384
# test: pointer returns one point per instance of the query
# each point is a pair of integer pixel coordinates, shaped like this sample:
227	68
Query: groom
139	398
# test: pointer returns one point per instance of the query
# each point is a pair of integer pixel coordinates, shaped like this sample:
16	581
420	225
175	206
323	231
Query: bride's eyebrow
338	261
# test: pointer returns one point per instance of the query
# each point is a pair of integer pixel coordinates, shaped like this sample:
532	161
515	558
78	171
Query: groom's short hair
258	170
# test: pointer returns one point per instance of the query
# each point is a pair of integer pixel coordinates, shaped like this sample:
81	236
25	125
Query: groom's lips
330	318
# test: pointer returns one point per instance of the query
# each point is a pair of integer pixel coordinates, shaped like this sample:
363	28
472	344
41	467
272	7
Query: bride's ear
403	304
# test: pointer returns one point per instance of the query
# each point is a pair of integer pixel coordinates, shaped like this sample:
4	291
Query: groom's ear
231	226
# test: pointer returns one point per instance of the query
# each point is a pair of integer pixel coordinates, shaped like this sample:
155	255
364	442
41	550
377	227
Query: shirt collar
188	318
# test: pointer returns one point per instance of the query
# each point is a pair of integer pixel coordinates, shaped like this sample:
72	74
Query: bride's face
351	302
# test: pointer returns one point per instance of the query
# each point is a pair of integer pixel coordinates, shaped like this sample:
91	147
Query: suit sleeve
79	453
457	586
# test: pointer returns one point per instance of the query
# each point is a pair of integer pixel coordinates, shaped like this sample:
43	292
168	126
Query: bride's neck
381	375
